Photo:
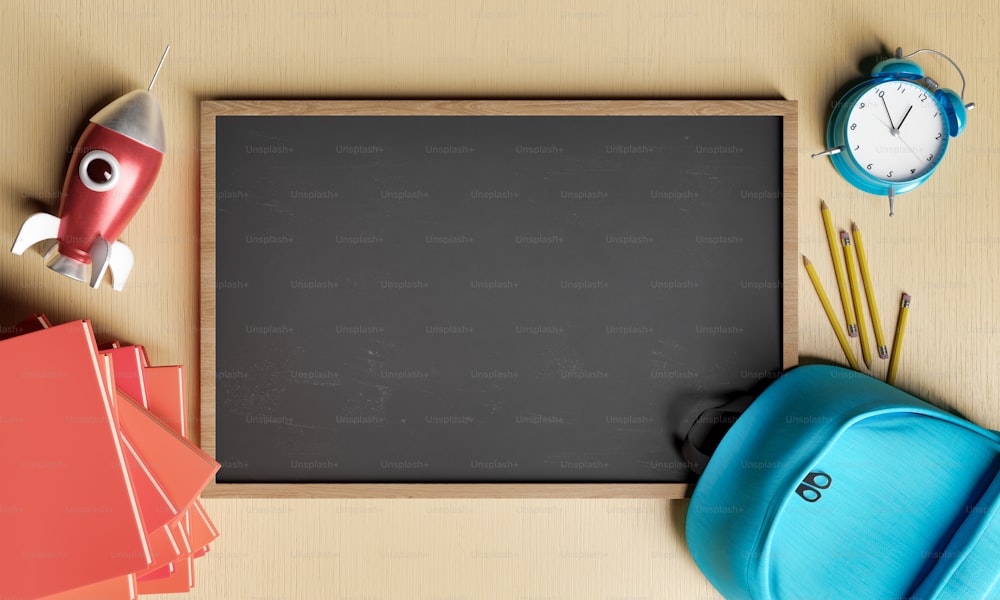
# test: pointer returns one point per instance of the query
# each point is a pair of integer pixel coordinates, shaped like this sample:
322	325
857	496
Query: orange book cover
69	515
203	530
158	573
179	550
165	550
165	559
153	505
182	469
164	526
180	580
119	588
182	577
165	394
129	362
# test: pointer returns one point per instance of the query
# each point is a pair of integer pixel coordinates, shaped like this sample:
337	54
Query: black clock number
854	126
922	97
856	147
862	105
930	157
881	93
938	136
890	174
869	167
912	171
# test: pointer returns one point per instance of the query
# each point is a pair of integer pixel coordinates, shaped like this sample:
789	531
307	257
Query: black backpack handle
708	430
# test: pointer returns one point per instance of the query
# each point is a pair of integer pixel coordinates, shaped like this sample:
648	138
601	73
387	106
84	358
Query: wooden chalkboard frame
785	109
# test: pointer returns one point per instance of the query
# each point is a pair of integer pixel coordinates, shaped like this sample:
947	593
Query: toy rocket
112	170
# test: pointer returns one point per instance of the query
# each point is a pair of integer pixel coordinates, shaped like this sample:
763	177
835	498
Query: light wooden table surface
62	60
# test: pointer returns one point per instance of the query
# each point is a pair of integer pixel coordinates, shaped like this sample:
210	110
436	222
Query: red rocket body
110	173
85	213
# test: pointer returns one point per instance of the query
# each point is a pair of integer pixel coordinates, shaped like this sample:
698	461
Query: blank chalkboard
486	298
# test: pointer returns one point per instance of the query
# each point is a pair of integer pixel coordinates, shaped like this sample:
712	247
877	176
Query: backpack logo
809	489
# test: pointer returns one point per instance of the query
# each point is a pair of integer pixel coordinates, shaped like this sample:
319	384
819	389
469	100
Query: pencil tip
822	204
806	260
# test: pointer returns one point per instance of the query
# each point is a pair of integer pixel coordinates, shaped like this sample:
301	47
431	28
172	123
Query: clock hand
879	119
900	138
892	127
895	134
904	118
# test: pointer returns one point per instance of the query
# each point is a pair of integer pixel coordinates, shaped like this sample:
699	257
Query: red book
69	514
129	362
165	396
119	588
203	530
182	469
155	507
31	323
181	579
166	566
158	573
166	550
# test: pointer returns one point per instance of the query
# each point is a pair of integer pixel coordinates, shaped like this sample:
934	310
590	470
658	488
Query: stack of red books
99	484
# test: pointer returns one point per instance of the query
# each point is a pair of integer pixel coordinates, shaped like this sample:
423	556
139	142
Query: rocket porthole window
99	170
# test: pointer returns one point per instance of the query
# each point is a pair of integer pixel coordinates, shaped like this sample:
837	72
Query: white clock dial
896	131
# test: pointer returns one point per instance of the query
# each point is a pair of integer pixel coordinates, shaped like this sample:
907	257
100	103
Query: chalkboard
486	298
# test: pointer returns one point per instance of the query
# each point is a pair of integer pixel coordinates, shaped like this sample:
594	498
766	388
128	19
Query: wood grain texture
211	110
672	491
63	59
497	107
790	238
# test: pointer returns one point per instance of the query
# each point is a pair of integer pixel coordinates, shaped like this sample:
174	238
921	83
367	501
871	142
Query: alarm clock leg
829	152
892	198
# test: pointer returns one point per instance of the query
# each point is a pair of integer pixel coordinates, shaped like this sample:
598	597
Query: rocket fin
121	262
118	257
38	227
100	254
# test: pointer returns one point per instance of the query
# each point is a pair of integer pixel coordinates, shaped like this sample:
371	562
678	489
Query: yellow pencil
866	353
897	342
830	314
838	268
883	349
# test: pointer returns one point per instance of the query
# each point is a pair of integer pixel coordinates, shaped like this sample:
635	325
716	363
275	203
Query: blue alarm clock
888	134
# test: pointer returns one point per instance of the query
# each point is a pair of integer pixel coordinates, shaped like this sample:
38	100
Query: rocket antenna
158	67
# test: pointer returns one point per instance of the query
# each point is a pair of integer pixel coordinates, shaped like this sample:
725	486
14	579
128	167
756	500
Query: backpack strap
969	566
708	430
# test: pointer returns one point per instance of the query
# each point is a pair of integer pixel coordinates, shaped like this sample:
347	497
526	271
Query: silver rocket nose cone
71	268
136	115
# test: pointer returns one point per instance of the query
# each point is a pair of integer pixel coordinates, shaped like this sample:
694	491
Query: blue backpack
835	485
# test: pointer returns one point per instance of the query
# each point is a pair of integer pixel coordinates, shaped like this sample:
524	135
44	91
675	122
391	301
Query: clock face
896	131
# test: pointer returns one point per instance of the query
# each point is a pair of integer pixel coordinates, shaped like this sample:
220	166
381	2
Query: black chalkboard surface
526	293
